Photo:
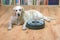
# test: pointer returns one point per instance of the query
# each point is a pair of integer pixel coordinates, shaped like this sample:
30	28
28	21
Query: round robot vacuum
35	24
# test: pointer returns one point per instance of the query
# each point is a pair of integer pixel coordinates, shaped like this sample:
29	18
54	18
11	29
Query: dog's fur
25	16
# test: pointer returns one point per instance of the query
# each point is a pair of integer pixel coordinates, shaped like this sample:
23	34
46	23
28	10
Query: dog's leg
10	25
24	26
18	22
48	18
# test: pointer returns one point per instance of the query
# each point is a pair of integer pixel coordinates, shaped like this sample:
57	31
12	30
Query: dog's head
18	10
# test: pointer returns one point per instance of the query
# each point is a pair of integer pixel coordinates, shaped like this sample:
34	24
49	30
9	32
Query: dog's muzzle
18	14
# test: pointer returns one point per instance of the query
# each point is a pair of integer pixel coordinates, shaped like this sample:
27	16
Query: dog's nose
18	14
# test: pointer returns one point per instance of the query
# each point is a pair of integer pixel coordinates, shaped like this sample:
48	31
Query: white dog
16	18
23	16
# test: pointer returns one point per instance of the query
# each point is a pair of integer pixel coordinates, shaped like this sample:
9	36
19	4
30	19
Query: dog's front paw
24	27
9	28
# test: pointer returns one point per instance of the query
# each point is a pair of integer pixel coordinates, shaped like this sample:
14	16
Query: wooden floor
50	32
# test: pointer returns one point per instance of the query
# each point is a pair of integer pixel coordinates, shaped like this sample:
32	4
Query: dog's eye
19	9
16	10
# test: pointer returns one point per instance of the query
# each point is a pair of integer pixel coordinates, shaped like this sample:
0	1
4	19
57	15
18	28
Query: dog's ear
22	10
13	13
14	9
